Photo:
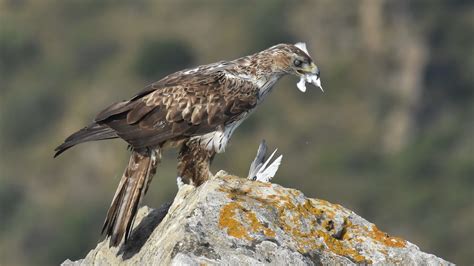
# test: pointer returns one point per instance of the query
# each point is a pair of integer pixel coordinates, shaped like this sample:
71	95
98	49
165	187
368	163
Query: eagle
195	110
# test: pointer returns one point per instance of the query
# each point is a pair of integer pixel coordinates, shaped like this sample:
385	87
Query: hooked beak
312	75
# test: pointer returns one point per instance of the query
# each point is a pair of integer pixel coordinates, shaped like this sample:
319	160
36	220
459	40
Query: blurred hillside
391	138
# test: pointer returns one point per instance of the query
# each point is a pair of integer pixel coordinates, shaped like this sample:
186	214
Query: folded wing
194	105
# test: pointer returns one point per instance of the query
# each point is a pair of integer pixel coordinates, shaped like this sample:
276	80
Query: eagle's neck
263	83
266	86
260	69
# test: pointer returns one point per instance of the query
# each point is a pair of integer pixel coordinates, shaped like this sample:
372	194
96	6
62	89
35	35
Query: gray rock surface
234	221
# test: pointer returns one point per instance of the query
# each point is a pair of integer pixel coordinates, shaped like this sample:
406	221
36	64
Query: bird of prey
195	110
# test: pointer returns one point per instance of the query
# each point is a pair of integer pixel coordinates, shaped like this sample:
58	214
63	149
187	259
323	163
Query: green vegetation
391	138
159	58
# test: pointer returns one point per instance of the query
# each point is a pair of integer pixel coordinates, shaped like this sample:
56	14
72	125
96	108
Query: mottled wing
181	106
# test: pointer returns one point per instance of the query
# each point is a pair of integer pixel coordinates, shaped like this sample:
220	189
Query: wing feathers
196	105
198	114
114	109
90	133
139	111
212	111
174	114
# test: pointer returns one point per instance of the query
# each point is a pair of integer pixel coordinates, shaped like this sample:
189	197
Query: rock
230	220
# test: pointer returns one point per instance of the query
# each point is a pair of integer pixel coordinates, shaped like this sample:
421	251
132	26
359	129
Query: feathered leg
194	163
131	189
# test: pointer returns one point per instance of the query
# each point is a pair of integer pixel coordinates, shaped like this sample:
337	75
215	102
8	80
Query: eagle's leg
194	163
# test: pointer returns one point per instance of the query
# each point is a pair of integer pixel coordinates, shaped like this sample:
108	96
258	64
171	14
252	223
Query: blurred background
391	138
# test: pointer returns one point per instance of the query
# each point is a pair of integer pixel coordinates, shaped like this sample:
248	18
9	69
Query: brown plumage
133	185
194	163
195	109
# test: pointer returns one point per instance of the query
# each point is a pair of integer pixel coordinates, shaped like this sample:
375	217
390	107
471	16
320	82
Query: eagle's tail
89	133
132	187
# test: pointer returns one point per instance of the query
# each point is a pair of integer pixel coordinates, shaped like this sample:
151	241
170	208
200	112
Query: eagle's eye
297	63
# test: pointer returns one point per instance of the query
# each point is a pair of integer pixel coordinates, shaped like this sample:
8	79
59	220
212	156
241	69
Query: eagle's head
294	59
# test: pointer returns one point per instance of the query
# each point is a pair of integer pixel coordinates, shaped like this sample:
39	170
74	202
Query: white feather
301	84
217	140
266	174
258	161
268	160
310	78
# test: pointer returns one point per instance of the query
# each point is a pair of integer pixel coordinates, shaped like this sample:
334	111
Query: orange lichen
310	224
340	248
257	226
385	239
308	209
307	240
233	226
237	229
294	192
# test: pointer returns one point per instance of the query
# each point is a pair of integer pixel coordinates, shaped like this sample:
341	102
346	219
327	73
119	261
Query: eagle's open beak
312	75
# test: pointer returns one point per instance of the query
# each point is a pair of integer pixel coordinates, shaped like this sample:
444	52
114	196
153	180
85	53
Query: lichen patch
239	222
228	221
308	223
386	239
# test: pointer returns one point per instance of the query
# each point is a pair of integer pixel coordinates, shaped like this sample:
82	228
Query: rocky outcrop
230	220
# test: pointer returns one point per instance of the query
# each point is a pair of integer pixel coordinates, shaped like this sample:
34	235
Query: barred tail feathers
131	189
